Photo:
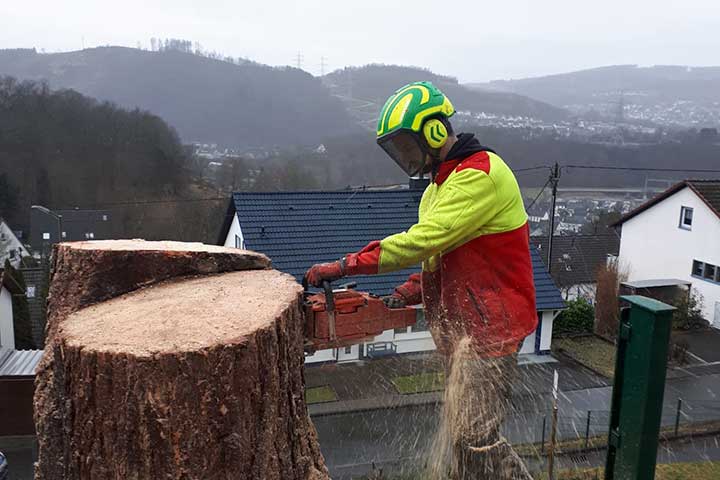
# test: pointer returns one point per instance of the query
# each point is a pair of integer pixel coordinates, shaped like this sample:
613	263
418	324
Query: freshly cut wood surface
172	360
184	315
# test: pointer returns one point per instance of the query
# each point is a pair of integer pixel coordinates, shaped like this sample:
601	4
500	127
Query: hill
371	85
206	100
693	92
61	149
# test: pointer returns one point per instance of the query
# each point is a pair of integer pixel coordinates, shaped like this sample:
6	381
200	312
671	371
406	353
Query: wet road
352	442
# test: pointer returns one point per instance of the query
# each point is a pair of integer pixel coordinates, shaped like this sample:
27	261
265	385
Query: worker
472	240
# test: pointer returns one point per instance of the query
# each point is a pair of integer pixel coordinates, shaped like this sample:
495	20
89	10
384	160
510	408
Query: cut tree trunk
156	368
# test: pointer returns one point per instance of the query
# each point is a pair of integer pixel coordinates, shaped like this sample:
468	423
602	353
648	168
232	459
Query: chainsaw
344	317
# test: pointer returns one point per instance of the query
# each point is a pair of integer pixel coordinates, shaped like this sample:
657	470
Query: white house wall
234	231
7	331
653	246
414	342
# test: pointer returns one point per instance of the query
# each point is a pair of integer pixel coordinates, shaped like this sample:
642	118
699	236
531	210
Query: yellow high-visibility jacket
472	240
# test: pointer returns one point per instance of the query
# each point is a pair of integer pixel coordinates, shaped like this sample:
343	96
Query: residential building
11	248
576	260
17	369
298	229
8	288
676	235
47	227
36	284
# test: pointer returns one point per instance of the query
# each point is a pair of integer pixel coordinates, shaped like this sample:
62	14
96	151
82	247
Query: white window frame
683	211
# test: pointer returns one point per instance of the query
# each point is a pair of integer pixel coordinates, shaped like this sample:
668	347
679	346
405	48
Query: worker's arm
465	203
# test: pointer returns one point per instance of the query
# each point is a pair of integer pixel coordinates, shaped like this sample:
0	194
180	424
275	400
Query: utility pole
322	66
554	179
553	428
299	60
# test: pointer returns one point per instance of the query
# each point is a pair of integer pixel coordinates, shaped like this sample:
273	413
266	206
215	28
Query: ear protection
435	133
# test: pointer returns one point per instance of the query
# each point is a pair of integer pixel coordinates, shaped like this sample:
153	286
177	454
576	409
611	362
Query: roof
576	258
19	363
298	229
707	190
7	281
657	282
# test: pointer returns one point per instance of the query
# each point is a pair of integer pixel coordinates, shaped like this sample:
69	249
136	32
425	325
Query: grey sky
473	40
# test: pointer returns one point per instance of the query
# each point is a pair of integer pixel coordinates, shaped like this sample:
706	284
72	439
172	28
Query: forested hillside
61	149
205	99
639	84
375	83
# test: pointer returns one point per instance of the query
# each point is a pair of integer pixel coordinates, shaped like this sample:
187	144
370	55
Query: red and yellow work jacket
472	239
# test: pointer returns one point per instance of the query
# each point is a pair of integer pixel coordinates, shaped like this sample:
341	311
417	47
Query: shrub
579	317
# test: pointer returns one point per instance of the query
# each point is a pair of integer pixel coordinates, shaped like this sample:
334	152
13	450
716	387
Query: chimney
419	183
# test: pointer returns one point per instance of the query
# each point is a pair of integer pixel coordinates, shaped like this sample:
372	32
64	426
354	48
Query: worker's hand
325	272
394	301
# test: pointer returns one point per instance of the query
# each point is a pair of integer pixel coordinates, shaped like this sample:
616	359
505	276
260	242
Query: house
676	235
8	288
297	229
576	259
11	248
47	227
17	369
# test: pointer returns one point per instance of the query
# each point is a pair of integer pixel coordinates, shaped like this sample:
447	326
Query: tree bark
156	368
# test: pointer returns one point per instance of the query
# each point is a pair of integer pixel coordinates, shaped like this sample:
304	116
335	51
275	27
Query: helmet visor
405	149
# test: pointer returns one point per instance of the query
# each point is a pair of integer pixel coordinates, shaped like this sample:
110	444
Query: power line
538	167
538	195
644	169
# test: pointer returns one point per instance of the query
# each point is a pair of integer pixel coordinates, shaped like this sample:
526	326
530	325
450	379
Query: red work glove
325	272
394	301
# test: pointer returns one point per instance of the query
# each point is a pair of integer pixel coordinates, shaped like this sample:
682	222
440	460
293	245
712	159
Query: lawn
667	471
591	351
420	383
320	395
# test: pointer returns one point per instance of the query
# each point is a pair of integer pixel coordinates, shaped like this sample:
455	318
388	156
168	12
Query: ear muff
435	133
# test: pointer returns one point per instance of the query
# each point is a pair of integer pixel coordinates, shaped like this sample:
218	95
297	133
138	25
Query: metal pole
553	429
639	384
677	416
554	176
553	439
587	429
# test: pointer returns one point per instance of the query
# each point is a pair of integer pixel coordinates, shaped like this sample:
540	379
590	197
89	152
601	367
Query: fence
534	427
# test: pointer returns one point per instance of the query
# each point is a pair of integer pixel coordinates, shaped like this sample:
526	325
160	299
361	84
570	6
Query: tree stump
159	367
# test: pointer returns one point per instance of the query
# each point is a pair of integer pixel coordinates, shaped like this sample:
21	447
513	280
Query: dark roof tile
298	229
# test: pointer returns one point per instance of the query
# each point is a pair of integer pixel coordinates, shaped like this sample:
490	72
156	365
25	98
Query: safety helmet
413	124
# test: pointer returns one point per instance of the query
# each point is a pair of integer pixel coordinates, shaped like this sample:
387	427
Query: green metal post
637	398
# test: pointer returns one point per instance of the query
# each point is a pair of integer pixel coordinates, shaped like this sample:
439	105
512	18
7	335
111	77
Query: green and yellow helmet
413	124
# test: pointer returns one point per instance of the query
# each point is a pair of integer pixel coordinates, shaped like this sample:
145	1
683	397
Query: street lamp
49	212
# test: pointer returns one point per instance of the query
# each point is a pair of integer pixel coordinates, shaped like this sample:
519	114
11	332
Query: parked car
4	475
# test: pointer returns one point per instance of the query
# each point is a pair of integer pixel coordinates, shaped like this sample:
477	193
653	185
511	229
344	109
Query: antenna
323	64
299	60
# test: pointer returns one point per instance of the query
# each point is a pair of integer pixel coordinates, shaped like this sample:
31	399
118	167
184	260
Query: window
46	236
238	242
348	350
697	269
64	234
709	273
30	291
706	271
686	218
105	218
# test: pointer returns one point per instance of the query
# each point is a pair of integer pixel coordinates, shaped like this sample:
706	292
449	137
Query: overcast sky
474	40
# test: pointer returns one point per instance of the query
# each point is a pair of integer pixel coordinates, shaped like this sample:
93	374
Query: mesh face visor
404	148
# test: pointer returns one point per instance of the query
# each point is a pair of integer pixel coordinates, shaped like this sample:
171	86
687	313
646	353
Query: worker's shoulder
485	161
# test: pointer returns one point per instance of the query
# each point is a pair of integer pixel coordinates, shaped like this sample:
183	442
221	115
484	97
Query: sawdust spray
467	443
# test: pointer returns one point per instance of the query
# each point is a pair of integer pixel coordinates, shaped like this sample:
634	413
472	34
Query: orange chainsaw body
358	316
